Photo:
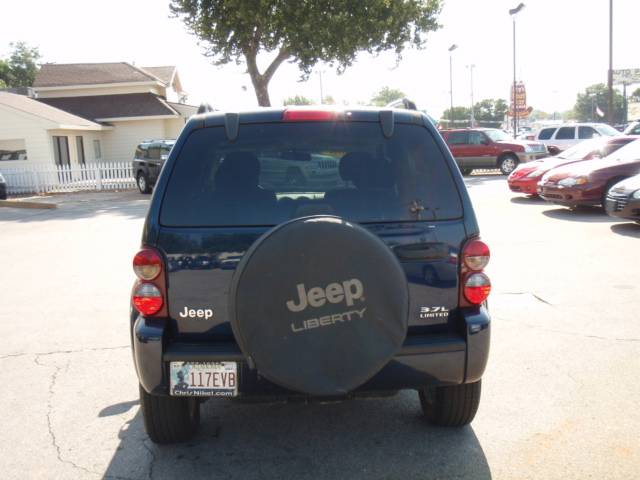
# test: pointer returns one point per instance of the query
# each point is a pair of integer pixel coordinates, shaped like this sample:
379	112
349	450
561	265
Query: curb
31	205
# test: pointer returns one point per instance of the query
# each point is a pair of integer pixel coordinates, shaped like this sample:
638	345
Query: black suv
148	161
361	276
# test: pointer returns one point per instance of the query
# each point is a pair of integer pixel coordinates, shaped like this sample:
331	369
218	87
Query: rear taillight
150	291
147	299
147	264
476	286
476	255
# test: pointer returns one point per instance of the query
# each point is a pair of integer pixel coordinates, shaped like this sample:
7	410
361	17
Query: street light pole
473	119
451	49
513	12
610	73
321	91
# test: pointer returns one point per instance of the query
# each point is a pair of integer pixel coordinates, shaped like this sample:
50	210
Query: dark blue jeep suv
322	254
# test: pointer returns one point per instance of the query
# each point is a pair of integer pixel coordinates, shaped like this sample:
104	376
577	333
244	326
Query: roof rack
402	103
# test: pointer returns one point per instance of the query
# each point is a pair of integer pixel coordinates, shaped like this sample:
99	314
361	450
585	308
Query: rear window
275	172
546	133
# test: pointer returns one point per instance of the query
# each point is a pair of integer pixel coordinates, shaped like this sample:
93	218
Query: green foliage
635	96
298	100
490	110
461	117
386	95
329	100
304	31
19	70
597	96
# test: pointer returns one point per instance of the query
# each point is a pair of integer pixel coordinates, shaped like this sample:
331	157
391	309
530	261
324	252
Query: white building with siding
90	112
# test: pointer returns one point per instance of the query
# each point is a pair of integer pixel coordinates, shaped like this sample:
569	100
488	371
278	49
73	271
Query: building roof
165	74
33	107
101	107
69	74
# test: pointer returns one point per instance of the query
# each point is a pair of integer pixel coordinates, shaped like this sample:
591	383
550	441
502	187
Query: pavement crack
571	334
54	440
537	297
61	352
152	463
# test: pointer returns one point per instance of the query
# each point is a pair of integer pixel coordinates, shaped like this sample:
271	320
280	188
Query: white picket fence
46	178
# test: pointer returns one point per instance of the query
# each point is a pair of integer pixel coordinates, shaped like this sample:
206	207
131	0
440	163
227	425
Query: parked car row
601	171
475	148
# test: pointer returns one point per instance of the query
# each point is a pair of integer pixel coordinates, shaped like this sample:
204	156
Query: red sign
519	97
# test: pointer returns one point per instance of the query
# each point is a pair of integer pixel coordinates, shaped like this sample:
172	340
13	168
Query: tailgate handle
422	251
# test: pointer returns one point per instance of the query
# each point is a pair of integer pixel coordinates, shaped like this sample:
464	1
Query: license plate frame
203	379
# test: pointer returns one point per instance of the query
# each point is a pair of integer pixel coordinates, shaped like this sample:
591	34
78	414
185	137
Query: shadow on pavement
581	214
118	408
75	206
479	180
528	200
368	439
627	229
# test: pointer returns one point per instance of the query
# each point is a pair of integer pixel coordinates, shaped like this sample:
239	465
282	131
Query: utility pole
473	119
610	76
513	12
321	91
451	49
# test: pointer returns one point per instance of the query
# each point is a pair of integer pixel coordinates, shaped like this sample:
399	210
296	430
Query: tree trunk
261	88
261	81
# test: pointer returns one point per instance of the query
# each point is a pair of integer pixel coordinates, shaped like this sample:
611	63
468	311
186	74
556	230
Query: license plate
204	379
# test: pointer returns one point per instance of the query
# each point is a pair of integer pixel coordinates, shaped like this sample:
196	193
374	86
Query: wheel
143	183
466	171
451	406
508	164
169	419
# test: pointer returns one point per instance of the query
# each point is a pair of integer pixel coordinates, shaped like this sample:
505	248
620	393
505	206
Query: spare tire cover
320	305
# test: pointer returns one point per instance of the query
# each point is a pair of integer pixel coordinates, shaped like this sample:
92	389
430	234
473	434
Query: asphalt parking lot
559	397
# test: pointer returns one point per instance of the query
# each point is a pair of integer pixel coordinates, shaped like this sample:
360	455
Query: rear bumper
422	360
623	207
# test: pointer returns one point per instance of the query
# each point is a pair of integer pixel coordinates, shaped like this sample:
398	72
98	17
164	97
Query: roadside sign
626	76
519	97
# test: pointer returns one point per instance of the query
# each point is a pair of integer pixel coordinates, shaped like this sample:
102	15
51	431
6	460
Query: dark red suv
490	148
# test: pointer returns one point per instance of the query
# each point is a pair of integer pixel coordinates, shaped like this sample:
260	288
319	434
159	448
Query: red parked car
587	183
525	178
490	148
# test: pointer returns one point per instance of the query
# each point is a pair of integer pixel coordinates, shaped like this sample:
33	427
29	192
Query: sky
562	47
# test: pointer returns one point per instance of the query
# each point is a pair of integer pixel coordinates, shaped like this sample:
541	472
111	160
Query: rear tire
508	164
451	406
466	171
143	183
169	419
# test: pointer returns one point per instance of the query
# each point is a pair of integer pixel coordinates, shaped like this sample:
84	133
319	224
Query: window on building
80	150
97	151
61	150
13	149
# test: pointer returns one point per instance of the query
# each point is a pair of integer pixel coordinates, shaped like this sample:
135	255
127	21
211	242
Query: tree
329	100
298	100
460	115
304	32
20	69
490	110
594	98
386	95
635	96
